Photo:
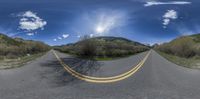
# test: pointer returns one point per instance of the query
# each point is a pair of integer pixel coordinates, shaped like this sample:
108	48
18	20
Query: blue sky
58	22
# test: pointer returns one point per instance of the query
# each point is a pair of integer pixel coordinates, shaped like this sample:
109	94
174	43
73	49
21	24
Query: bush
197	49
88	48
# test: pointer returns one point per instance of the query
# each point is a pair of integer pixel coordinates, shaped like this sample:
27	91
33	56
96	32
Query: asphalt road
45	78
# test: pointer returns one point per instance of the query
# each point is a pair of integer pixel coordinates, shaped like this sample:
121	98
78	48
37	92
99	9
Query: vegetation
186	46
193	62
14	63
11	48
15	52
183	51
103	47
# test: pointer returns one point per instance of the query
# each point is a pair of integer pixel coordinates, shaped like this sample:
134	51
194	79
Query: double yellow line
102	79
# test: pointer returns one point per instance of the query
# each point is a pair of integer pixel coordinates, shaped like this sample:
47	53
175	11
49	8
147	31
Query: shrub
88	48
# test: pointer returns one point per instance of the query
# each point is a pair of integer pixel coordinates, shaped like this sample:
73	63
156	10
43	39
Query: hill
185	46
17	47
103	47
116	39
7	40
183	51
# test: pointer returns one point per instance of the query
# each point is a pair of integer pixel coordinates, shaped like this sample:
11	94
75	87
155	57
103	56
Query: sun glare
100	29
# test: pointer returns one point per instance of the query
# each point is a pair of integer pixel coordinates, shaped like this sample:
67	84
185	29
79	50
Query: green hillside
103	47
8	41
184	51
185	46
17	47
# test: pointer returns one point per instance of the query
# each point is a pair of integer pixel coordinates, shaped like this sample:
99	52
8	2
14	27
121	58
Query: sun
100	29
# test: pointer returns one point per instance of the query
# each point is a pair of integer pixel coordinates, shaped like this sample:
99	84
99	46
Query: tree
88	47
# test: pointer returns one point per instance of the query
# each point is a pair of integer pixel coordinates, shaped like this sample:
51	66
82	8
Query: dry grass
18	62
193	62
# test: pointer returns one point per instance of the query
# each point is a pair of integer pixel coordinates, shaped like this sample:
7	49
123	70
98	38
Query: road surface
45	78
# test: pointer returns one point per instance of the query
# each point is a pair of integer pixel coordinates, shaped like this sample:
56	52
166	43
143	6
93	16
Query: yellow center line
102	79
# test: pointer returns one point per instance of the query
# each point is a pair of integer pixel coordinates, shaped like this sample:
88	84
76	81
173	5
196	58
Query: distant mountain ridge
113	39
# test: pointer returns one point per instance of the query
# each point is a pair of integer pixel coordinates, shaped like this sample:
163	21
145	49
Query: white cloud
91	35
108	22
54	39
168	16
60	38
30	21
166	21
78	36
152	3
65	36
30	34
